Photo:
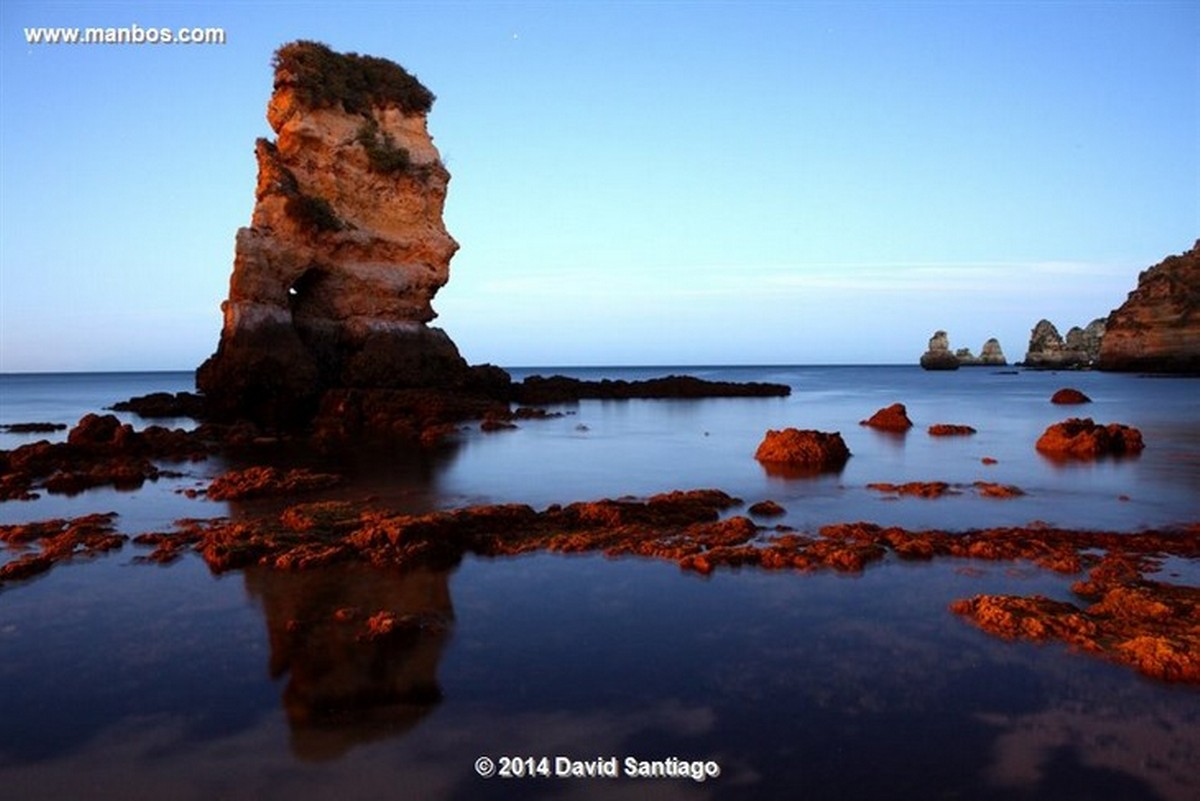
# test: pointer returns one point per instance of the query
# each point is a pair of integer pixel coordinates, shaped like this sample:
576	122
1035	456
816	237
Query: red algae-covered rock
767	508
258	481
891	418
58	540
1149	626
921	489
1068	395
815	450
1083	439
950	430
989	489
94	430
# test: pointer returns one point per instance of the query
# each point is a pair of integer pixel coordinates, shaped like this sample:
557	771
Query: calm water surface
131	681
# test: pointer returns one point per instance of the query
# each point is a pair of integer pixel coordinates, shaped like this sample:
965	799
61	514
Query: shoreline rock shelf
1150	626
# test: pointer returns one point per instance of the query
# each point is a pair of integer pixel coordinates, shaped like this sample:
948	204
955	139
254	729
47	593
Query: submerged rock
1157	328
1067	395
950	430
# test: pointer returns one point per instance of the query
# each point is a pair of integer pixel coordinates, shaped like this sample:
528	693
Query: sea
136	681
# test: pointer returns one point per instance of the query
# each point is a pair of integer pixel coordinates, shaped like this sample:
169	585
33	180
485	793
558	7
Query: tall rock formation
332	281
1157	329
1049	351
992	355
1086	341
938	356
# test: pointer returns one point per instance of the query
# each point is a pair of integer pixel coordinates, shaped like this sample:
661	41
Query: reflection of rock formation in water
360	647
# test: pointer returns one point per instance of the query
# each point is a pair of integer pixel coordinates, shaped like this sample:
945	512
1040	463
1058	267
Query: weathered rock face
939	355
1048	350
332	281
1086	341
1157	329
990	356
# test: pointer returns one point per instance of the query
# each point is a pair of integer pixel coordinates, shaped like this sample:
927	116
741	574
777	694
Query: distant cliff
1157	329
332	281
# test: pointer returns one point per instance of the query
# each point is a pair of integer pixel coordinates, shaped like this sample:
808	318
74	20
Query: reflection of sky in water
147	682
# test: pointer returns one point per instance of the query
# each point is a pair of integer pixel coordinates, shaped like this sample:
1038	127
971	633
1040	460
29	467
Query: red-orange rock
891	418
921	489
816	450
258	481
1084	439
989	489
767	509
1068	395
950	430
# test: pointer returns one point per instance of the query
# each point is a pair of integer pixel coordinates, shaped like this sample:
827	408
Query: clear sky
633	183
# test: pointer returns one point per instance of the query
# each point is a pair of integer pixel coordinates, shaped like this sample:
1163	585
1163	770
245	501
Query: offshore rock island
332	281
327	320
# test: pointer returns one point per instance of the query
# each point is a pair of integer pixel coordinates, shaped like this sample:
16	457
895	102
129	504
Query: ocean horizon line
521	368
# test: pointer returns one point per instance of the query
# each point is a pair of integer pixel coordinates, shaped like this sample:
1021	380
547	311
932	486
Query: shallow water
146	682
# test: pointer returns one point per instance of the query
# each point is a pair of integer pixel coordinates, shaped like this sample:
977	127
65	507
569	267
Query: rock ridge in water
333	280
1157	328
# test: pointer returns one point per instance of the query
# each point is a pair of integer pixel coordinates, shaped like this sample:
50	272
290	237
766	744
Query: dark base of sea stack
947	361
275	375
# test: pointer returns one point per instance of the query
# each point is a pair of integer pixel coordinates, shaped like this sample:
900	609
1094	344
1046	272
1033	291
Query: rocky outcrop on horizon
939	356
1049	351
332	281
1157	328
989	356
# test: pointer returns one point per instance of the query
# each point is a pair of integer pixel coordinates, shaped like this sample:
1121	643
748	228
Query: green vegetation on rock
382	152
322	78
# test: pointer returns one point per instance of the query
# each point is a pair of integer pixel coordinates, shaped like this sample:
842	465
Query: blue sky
633	183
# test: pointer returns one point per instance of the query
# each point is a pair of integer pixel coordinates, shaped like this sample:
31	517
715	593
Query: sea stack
939	355
332	281
990	356
1157	328
1049	351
